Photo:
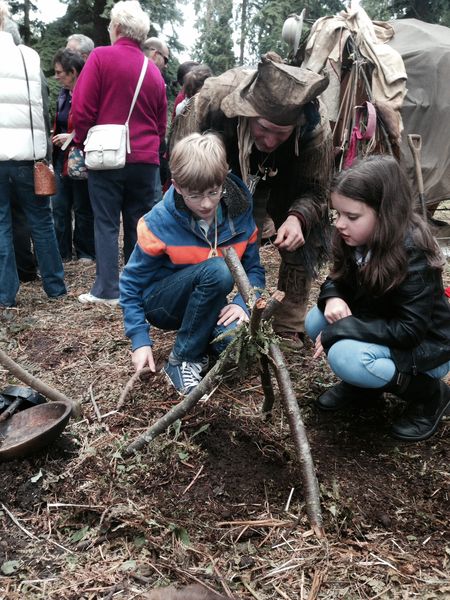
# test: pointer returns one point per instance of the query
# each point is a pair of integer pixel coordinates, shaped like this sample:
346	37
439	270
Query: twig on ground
94	403
16	522
130	383
197	475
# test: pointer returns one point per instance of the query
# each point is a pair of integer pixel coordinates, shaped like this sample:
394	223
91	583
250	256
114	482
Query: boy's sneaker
184	376
204	365
91	299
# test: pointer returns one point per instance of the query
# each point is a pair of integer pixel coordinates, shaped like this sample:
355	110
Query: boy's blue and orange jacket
169	239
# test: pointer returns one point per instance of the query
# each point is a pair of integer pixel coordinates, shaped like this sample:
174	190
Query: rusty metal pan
30	430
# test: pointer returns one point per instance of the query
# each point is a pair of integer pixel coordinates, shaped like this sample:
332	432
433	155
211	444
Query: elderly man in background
279	142
158	52
82	44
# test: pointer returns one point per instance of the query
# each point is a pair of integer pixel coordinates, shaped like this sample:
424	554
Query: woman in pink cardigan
103	95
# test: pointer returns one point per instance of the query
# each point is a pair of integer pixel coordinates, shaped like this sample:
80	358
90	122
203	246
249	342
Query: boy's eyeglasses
212	195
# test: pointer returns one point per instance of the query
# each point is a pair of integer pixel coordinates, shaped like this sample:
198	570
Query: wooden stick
273	304
239	276
312	493
37	384
177	412
129	386
255	318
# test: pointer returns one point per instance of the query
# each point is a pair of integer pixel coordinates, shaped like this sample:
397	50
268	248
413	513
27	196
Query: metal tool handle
415	145
8	412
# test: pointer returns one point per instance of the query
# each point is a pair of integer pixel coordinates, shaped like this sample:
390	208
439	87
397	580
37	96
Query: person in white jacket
24	137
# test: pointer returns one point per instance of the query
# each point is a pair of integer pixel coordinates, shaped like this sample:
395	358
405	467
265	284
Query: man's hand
231	313
336	309
143	357
290	235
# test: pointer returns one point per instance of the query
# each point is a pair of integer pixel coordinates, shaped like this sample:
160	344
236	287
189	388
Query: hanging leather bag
44	175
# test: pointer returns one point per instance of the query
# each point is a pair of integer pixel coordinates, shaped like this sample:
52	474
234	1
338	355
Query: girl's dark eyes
352	218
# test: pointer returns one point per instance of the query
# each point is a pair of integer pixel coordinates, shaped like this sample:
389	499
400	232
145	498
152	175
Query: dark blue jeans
127	192
25	260
189	302
73	195
17	177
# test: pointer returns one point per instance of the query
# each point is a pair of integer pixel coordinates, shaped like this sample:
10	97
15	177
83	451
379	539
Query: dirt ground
218	499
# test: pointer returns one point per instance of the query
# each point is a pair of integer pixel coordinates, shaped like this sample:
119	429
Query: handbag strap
69	139
136	94
29	101
138	87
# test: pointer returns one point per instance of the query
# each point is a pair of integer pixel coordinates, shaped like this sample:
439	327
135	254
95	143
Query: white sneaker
91	299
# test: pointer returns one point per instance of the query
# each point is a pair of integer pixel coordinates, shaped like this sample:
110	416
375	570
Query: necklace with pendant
262	174
213	252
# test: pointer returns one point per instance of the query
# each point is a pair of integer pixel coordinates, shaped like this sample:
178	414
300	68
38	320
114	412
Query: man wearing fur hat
279	142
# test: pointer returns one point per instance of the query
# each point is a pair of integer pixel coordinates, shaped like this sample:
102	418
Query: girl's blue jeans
189	302
362	364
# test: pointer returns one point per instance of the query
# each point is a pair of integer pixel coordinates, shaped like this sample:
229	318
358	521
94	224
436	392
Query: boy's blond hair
199	162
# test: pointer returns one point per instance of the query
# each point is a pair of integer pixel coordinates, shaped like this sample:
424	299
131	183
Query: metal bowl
30	430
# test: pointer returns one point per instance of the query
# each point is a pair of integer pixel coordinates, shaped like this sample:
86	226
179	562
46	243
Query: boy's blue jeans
363	364
189	302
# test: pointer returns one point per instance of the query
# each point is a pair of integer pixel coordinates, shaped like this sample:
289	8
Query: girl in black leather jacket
382	316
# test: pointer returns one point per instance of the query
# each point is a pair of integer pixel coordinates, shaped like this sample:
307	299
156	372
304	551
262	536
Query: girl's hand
318	348
231	313
59	139
336	309
143	357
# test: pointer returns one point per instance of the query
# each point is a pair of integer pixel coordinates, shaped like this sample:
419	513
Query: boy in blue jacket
176	278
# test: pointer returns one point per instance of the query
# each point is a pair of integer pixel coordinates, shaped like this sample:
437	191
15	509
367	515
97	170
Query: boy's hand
231	313
290	235
336	309
143	357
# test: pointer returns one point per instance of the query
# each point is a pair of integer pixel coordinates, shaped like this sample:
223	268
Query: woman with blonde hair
103	95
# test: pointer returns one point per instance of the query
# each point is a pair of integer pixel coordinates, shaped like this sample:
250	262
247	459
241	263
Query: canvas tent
425	49
402	67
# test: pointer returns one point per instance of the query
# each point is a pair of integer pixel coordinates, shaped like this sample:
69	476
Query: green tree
215	43
265	20
431	11
22	11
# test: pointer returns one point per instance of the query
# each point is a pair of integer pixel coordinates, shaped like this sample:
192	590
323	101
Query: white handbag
106	146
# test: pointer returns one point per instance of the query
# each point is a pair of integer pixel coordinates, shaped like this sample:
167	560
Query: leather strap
136	94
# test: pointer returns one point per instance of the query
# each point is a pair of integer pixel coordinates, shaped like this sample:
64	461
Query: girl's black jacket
413	319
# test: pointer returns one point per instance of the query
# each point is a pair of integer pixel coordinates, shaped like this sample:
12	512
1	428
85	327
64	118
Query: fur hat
275	91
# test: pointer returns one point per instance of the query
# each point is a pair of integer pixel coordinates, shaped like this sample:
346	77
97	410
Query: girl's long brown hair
379	182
